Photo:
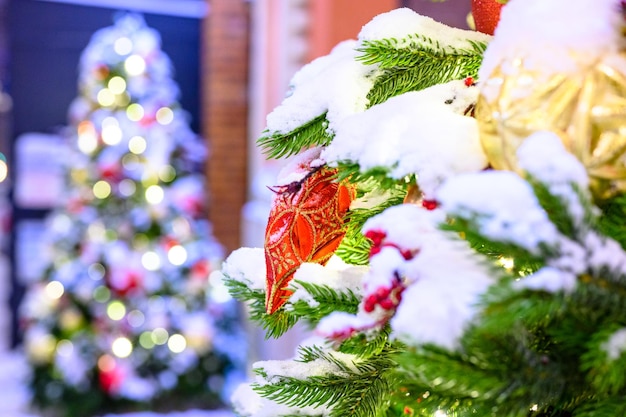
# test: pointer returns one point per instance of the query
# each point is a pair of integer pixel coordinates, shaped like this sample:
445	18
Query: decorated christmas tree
451	222
125	315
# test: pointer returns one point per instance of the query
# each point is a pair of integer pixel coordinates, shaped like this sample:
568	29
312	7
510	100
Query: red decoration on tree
306	224
486	15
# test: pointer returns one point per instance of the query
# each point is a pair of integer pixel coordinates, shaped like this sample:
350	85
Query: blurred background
232	61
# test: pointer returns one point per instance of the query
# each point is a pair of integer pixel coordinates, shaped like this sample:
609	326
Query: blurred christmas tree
125	315
479	269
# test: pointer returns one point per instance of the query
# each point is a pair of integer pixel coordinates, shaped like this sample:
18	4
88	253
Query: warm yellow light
135	65
160	336
137	145
151	261
177	255
154	194
122	347
116	310
101	189
177	343
135	112
105	97
164	115
117	85
123	46
54	290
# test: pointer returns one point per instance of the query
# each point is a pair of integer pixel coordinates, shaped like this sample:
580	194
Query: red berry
429	204
382	293
469	81
387	304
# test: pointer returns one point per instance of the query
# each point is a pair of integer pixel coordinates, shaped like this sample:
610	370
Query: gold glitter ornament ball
583	101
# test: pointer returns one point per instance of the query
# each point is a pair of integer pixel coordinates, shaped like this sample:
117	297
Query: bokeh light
116	310
177	343
151	261
101	189
137	145
122	347
154	194
164	116
54	290
135	65
123	46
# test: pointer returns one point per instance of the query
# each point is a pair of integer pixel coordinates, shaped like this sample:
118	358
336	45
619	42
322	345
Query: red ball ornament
486	15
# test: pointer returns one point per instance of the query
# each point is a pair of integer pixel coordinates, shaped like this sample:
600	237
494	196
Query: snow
247	403
336	83
503	206
336	274
246	265
444	279
403	23
423	132
572	34
615	345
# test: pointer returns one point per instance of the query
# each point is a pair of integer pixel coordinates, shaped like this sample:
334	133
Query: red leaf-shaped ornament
306	224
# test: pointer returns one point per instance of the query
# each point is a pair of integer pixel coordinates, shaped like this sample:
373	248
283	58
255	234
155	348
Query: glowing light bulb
106	363
135	65
177	343
135	112
154	194
105	97
54	290
177	255
164	116
117	85
151	261
122	347
137	145
116	310
123	46
101	189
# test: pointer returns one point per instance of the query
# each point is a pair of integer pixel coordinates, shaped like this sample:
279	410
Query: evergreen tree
125	315
481	263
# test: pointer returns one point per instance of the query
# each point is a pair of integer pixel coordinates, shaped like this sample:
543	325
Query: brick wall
224	109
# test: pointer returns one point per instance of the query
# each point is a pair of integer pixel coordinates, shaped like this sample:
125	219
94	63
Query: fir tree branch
275	324
359	389
279	145
611	223
327	300
355	248
428	67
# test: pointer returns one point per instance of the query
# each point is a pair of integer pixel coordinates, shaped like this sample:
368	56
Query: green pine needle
280	145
